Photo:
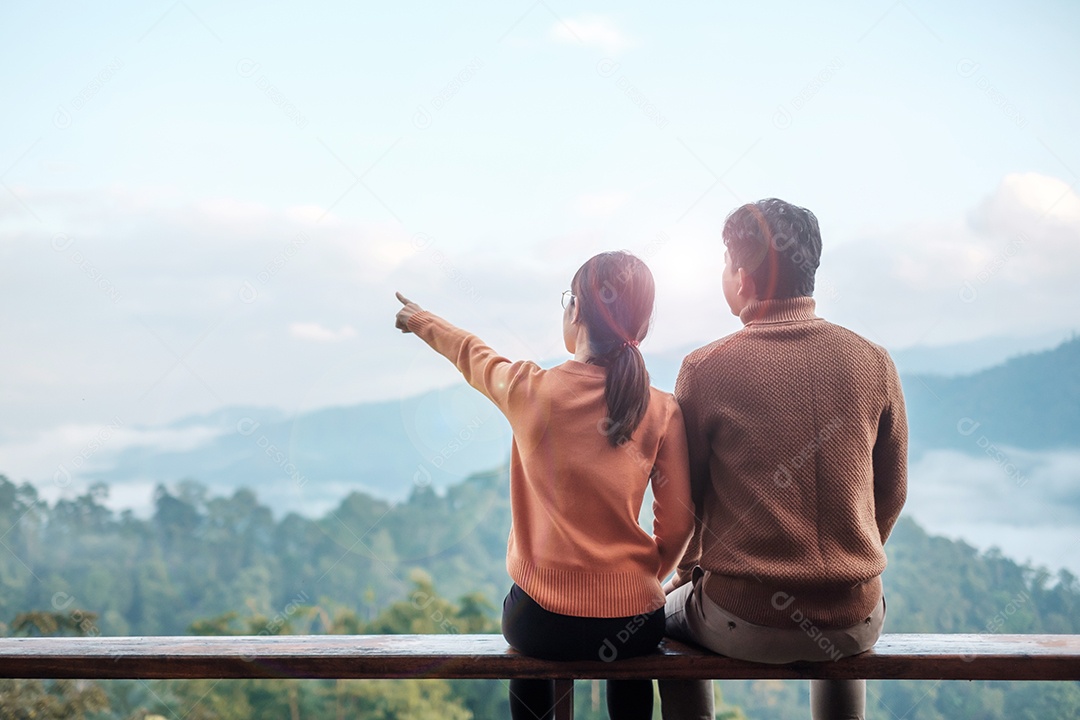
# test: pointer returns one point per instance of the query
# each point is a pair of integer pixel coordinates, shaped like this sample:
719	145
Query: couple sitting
778	469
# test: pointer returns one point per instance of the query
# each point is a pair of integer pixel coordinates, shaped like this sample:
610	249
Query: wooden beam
913	657
564	699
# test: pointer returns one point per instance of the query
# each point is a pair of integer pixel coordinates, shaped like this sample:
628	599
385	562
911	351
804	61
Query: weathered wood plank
916	656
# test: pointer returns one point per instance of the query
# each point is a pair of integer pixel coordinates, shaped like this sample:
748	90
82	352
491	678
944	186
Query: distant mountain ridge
308	461
312	459
1031	401
972	356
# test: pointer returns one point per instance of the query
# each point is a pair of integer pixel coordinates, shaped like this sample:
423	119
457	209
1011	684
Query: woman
589	436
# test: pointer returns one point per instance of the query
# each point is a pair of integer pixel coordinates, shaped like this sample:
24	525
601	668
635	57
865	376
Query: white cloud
147	307
596	31
1024	196
1008	269
67	452
318	333
207	292
1024	506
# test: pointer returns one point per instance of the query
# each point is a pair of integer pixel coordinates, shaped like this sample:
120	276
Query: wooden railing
911	657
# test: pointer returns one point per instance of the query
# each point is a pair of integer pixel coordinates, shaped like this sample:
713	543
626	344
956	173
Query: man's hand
401	322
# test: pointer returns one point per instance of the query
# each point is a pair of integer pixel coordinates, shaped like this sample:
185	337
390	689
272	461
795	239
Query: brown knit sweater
798	464
575	545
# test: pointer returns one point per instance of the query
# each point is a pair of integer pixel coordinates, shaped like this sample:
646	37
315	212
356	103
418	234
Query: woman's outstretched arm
482	367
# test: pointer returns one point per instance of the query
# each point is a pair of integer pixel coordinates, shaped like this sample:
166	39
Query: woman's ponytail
616	291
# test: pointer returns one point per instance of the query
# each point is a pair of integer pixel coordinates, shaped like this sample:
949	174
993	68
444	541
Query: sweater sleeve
698	455
482	367
673	515
890	455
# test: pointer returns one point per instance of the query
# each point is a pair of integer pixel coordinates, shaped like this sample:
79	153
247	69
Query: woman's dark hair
615	292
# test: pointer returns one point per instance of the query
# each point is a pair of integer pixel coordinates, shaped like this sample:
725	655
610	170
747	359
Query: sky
205	205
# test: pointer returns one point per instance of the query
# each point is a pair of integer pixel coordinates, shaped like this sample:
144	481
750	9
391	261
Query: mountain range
310	460
1031	401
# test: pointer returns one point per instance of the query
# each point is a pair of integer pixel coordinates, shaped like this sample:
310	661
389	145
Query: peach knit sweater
575	544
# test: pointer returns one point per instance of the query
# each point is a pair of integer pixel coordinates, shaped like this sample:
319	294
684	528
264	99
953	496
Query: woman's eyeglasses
567	298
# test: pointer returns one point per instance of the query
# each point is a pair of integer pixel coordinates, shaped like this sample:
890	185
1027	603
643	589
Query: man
798	463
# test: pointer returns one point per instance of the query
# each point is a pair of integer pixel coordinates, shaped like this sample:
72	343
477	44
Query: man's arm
890	455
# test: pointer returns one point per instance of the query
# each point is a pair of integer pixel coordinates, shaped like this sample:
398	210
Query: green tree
48	699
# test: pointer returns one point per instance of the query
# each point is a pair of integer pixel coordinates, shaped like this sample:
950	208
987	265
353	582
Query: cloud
1008	268
64	454
1026	506
318	333
596	31
1023	196
150	307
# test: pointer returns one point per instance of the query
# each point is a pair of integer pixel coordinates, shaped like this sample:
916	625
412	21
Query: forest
205	564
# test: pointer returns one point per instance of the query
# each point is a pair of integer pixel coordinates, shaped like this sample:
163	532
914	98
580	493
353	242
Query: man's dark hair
778	244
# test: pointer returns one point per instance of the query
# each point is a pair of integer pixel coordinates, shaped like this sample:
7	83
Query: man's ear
747	287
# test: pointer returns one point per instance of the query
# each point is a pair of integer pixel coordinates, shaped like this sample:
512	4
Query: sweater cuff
419	321
683	575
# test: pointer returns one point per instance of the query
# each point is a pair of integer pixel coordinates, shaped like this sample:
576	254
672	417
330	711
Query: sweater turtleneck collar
796	309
